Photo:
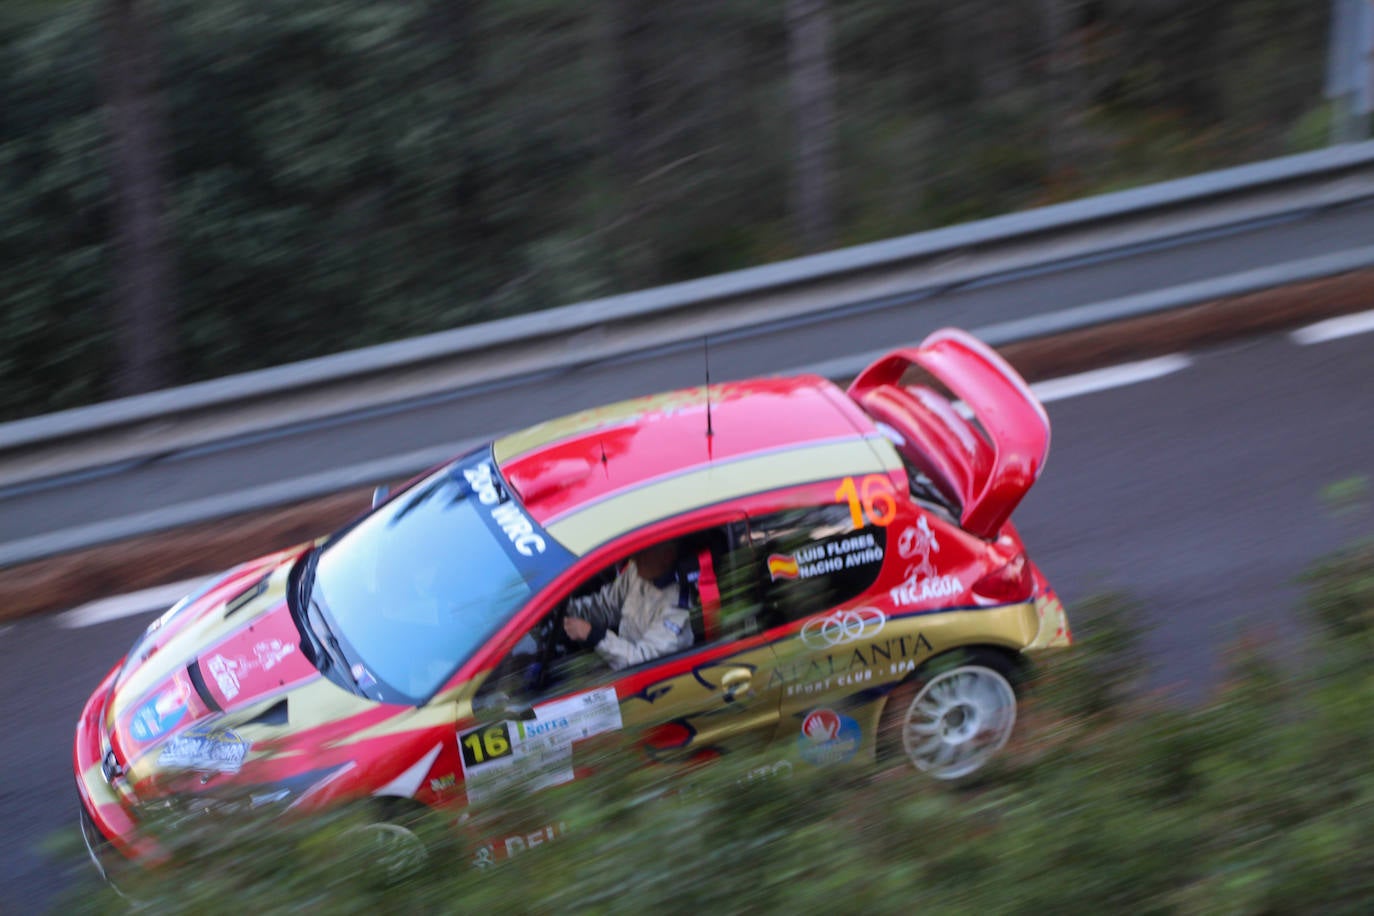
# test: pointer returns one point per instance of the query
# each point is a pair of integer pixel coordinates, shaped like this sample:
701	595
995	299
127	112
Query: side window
811	559
654	603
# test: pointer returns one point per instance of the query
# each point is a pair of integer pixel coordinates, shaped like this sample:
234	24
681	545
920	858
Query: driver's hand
577	629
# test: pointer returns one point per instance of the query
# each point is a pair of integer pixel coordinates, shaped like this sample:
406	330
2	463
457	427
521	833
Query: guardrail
323	483
588	332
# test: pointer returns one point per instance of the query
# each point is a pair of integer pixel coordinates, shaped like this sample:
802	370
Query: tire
392	842
953	715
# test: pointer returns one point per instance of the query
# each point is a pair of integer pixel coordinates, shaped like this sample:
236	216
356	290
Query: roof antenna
706	347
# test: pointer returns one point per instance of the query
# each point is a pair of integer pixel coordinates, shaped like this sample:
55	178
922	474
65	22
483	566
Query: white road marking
106	609
6	628
1334	329
1071	386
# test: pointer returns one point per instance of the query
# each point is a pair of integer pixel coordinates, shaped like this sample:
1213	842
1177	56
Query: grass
1259	801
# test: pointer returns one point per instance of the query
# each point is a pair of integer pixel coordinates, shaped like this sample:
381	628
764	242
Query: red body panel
746	418
106	813
989	475
231	654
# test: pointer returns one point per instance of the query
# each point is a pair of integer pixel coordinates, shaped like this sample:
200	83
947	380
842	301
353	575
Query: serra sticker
538	753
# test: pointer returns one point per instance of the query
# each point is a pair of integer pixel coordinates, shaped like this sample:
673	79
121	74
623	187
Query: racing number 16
872	498
486	744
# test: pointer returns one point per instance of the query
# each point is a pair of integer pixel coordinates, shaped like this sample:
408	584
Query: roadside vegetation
1261	800
191	188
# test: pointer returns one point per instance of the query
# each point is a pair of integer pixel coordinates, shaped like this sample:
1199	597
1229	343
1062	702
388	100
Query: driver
639	616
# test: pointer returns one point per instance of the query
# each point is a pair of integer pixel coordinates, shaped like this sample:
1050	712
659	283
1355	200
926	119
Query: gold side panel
1053	629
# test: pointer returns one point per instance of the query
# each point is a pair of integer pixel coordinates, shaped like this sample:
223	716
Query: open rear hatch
985	470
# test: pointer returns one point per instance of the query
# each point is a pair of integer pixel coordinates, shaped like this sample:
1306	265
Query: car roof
595	475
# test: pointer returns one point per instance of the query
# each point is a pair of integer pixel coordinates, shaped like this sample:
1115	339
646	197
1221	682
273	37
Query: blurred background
191	189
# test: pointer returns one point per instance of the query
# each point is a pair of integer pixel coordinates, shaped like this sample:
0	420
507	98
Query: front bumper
107	825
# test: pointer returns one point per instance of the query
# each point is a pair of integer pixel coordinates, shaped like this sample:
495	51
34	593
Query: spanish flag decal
781	566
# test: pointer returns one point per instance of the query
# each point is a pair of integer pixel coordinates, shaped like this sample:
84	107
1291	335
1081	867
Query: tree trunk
625	37
987	34
1058	22
143	298
813	107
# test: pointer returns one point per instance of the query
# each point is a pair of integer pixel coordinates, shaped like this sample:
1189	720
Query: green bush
1107	664
1341	604
1259	801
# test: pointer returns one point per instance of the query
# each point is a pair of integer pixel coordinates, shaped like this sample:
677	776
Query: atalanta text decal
880	660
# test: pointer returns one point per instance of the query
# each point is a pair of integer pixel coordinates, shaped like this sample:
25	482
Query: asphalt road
233	466
1199	493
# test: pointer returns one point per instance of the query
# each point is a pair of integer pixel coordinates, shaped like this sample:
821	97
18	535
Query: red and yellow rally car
837	570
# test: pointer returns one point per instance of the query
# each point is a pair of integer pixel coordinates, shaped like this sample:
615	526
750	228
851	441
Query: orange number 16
871	498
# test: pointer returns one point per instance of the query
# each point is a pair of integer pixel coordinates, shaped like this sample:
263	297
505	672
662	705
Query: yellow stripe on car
596	523
508	448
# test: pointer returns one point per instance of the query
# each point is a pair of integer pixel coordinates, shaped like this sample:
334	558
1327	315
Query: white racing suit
634	620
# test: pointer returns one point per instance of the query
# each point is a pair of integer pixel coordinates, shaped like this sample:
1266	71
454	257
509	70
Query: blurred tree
1063	78
812	86
54	285
344	172
144	298
628	53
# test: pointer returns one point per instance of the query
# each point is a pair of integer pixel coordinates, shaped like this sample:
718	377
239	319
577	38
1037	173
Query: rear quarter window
811	559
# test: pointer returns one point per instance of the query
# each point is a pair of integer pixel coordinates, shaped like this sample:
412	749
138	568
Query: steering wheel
552	642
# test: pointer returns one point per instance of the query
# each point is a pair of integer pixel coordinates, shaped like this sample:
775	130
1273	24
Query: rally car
850	576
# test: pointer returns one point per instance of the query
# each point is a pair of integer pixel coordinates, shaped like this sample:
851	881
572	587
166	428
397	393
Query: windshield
417	586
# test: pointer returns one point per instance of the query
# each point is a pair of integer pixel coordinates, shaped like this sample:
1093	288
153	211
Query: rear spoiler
989	474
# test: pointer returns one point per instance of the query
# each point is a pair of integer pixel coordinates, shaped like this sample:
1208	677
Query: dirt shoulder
66	581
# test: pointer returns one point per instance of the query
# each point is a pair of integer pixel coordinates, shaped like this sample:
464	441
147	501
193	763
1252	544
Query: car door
835	646
721	694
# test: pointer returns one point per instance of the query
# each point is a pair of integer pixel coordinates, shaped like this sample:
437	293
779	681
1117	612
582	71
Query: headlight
135	655
181	605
